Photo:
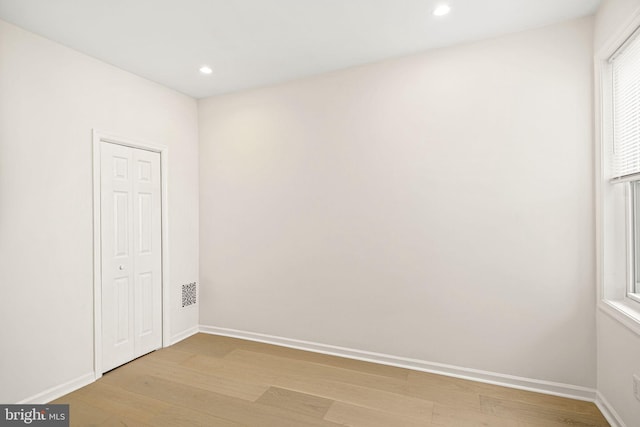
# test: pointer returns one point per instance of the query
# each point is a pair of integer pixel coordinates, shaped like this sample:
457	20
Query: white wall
50	99
437	207
618	360
618	347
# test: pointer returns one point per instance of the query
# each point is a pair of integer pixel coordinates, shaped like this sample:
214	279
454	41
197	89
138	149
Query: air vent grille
189	292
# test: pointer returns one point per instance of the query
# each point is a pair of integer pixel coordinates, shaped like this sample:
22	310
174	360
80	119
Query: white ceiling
252	43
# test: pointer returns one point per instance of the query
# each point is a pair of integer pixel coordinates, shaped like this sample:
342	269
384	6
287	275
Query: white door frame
99	138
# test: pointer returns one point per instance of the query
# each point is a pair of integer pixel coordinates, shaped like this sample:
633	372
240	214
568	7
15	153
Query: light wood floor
208	380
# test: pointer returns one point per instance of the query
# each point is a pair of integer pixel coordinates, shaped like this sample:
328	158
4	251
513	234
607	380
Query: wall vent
189	294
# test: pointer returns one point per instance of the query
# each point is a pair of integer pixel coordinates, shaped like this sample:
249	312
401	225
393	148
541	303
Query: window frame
633	240
617	293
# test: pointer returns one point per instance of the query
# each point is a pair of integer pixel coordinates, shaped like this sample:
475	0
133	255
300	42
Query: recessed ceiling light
442	10
205	69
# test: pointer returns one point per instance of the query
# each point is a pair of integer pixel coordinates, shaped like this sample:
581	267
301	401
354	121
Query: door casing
99	138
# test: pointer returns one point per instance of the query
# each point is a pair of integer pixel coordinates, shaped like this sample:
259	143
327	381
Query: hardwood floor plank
443	395
555	402
496	391
532	414
295	401
202	344
170	354
81	414
215	404
330	389
319	358
296	368
283	372
118	421
449	416
224	385
216	366
117	401
357	416
361	396
184	417
284	367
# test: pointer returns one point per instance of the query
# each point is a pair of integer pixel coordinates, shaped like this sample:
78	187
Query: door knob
121	267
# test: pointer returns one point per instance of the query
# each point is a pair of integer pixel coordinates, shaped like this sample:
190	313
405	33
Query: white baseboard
609	413
184	334
529	384
60	390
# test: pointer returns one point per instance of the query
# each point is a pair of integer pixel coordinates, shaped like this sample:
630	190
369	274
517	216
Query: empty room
320	213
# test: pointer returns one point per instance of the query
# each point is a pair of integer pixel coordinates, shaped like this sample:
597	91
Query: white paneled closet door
130	229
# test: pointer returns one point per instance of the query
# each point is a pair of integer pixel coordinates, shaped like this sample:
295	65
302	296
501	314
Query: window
625	70
618	189
625	115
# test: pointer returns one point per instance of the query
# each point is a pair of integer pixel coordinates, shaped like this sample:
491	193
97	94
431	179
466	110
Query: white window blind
626	109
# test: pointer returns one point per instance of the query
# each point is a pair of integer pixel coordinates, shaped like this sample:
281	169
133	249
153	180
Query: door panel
116	235
146	220
120	223
147	251
146	286
121	309
131	253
